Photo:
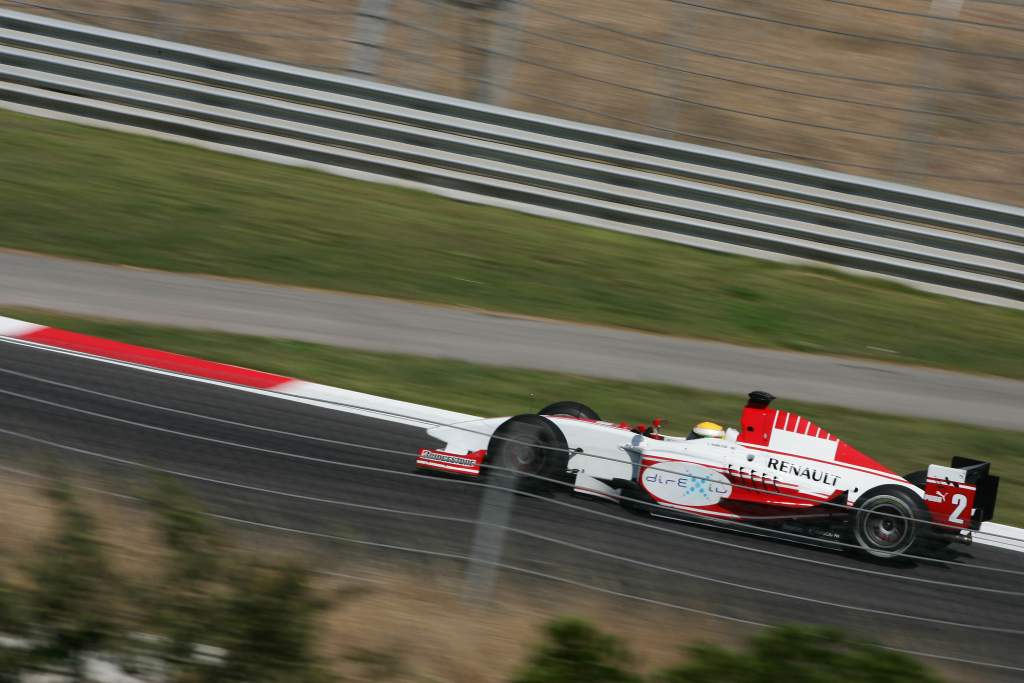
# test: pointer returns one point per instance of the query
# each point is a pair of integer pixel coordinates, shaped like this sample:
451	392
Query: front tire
529	448
890	522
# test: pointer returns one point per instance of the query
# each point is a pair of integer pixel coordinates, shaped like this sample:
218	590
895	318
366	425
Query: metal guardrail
499	155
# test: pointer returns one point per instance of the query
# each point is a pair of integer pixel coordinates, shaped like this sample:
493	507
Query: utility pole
921	126
489	536
368	36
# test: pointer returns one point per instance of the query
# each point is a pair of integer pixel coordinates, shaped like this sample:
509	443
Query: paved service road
496	339
909	606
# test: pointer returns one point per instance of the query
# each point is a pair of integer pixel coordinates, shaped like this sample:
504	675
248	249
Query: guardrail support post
501	57
168	22
665	110
489	537
368	37
929	71
430	16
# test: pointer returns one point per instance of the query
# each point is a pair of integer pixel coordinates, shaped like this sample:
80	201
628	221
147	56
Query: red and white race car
778	469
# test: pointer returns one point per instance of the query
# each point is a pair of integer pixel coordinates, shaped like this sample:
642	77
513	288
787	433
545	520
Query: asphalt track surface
796	575
377	324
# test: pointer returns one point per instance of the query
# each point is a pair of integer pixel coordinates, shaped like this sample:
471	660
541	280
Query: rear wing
988	487
962	495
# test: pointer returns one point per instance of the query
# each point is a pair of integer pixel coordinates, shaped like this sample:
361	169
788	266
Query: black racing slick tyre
889	522
529	448
571	409
937	539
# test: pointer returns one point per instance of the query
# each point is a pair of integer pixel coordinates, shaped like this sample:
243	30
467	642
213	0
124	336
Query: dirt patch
747	83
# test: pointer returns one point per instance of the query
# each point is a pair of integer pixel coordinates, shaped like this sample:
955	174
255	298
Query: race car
777	470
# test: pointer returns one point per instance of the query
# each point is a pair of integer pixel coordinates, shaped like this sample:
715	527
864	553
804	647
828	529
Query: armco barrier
591	174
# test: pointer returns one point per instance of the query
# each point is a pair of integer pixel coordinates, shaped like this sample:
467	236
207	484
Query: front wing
452	463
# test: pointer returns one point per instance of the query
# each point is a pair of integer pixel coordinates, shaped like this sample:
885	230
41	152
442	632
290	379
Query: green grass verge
120	198
901	443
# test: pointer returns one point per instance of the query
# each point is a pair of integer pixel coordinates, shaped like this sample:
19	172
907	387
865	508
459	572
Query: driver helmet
707	430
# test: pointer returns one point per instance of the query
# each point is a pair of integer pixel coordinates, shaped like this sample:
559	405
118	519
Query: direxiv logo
802	471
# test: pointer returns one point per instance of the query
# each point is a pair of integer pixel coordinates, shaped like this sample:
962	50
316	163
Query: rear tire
530	448
935	541
890	522
570	409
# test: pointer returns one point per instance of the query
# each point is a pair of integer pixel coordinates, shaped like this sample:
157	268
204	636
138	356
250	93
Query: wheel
530	447
936	541
570	408
890	522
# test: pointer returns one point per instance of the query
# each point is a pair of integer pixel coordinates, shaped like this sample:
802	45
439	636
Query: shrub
70	601
795	654
263	616
13	660
575	652
271	628
185	606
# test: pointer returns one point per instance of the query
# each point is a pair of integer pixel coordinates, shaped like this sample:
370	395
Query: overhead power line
574	107
846	34
761	86
505	567
731	110
925	15
259	7
549	539
645	124
321	440
768	65
185	27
